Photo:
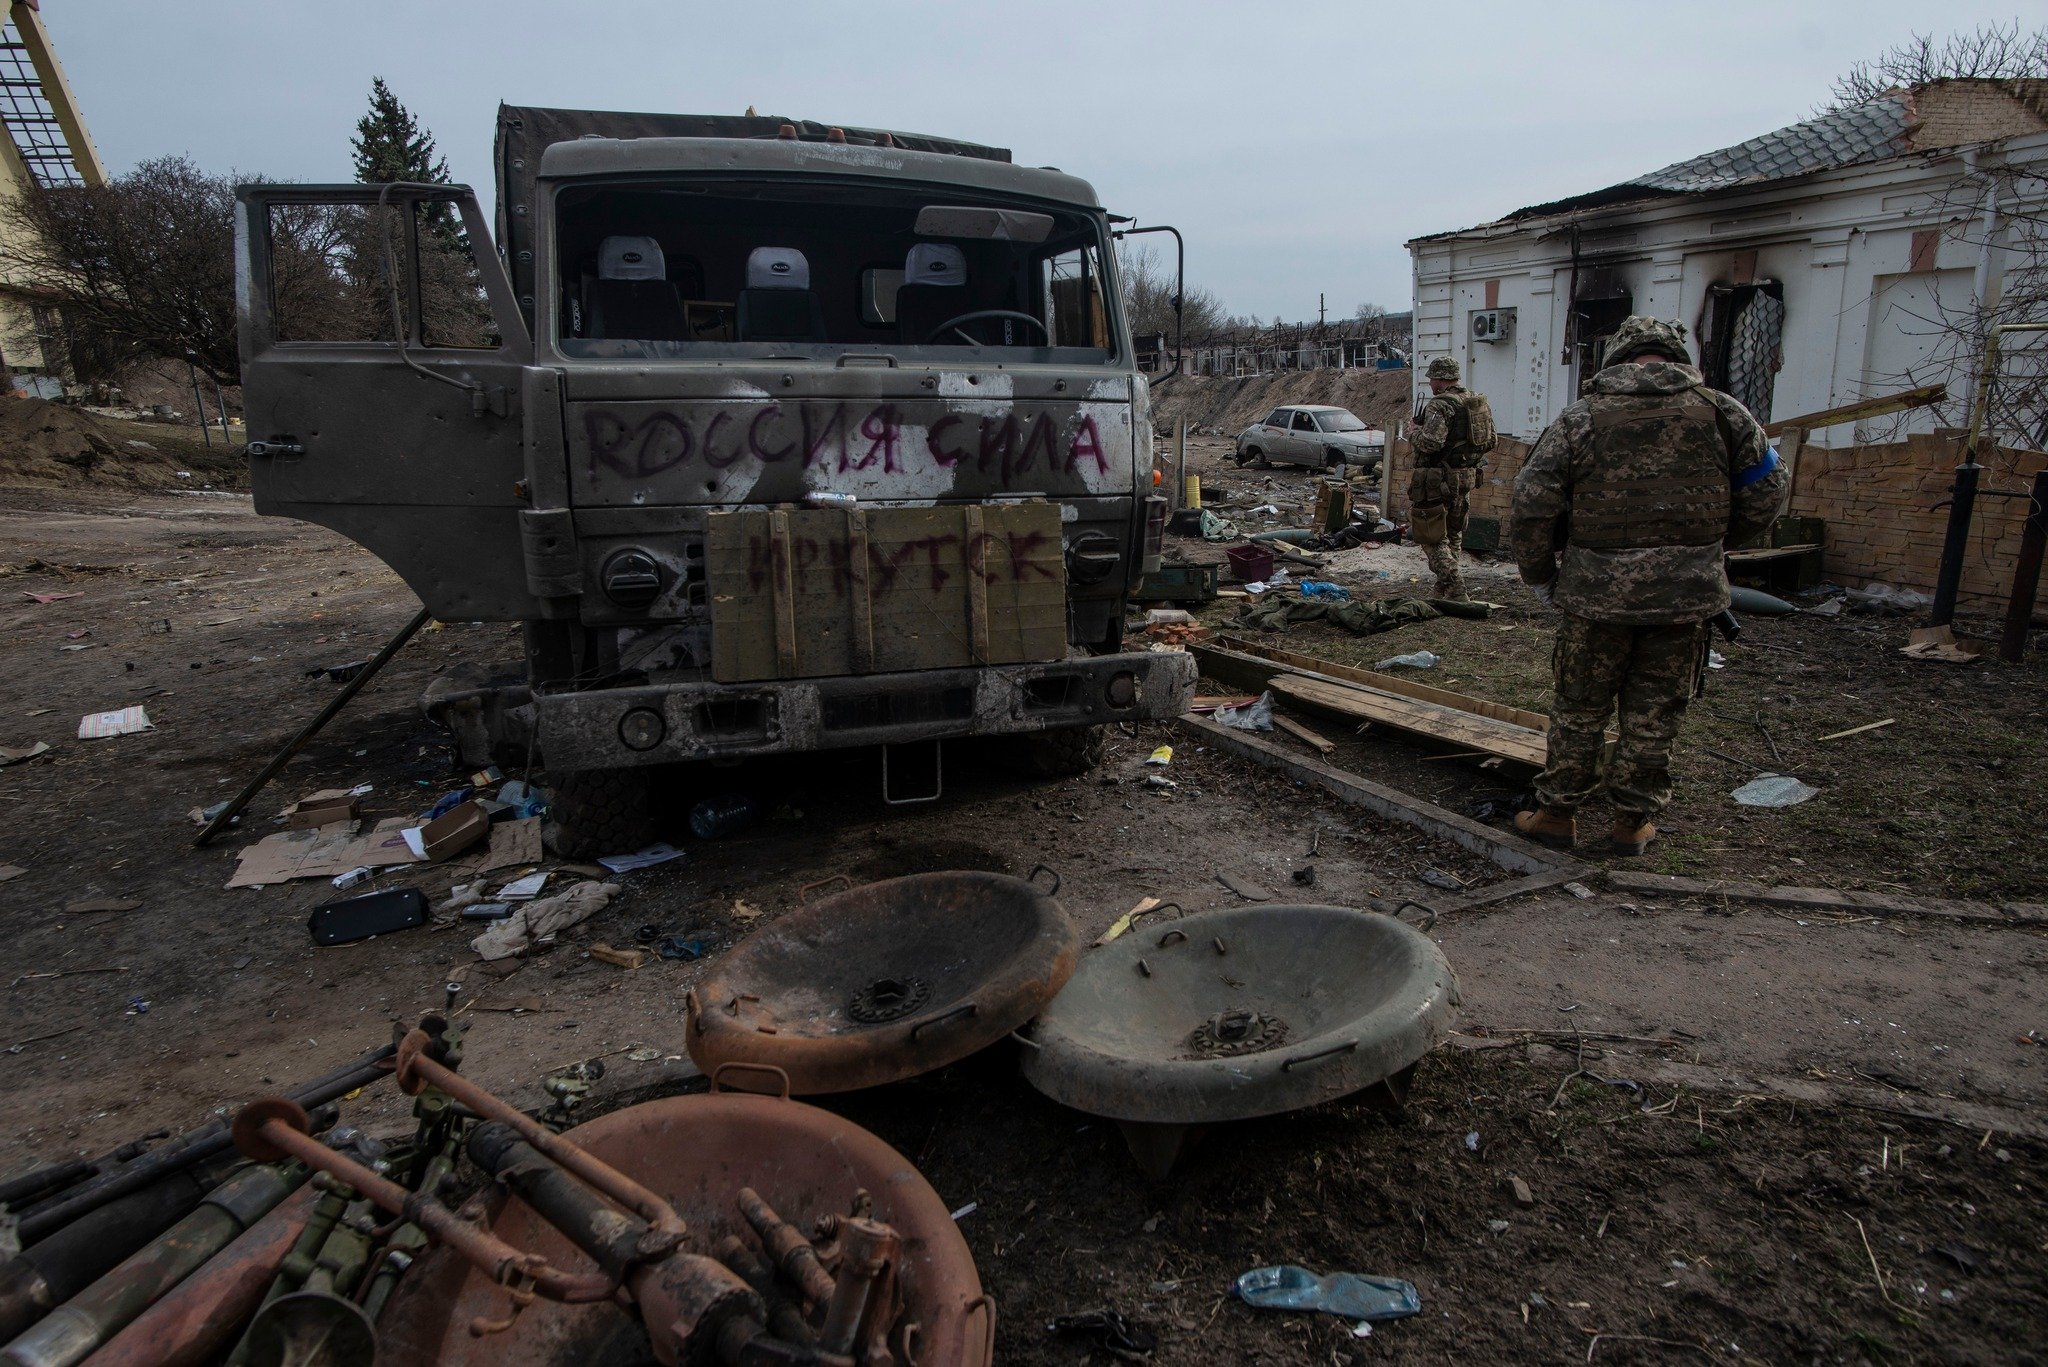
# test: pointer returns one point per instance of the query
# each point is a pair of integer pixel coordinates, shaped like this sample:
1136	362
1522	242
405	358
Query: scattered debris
1419	659
1163	755
1244	888
536	924
619	958
1523	1195
1305	735
1253	716
1348	1294
125	721
1773	790
526	887
1940	643
1108	1331
685	947
373	913
48	598
1578	890
1127	920
12	755
644	859
8	871
460	828
1449	882
1858	730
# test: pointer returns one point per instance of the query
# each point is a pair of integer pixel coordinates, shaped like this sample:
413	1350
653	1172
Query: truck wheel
599	811
1059	754
1257	459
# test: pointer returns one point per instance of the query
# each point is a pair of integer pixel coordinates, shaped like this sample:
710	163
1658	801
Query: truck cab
774	440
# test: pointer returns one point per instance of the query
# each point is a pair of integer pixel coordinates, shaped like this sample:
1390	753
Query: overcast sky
1297	145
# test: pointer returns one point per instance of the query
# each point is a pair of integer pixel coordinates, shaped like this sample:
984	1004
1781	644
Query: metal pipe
190	1325
31	1186
2026	575
311	728
73	1330
788	1249
1962	502
196	1146
42	1277
418	1068
277	1127
613	1241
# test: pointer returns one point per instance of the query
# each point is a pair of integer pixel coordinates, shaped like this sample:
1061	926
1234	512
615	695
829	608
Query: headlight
642	729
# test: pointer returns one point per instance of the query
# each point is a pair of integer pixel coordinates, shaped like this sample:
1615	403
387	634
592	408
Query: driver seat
934	289
778	305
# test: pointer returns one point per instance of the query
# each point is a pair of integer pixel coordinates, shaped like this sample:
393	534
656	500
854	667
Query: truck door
382	357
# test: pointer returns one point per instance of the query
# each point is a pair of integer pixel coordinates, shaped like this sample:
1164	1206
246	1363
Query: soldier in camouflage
1452	435
1640	485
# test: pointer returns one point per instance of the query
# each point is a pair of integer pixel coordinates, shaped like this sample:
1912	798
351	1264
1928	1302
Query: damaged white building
1839	259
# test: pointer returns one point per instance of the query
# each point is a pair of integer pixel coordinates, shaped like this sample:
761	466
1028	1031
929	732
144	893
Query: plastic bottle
714	818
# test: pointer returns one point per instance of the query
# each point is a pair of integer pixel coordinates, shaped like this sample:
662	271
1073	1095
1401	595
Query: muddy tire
1058	754
1253	457
597	812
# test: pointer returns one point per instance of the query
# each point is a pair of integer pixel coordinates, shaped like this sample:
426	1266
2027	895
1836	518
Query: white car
1319	436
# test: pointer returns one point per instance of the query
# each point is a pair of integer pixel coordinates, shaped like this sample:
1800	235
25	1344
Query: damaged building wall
1869	263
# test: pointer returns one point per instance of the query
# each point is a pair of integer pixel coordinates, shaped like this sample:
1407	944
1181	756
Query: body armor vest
1657	474
1471	433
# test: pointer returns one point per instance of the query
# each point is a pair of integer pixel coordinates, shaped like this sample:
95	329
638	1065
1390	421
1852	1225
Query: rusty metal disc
696	1152
885	981
1244	1012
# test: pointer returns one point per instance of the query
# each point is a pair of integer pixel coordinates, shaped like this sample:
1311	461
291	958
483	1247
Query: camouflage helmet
1639	332
1443	368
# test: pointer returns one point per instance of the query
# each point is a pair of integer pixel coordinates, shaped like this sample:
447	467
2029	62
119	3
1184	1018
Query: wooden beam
1325	748
1509	851
1438	721
1251	665
1861	409
1831	899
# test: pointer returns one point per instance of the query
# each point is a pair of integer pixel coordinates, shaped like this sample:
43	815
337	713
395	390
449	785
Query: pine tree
390	144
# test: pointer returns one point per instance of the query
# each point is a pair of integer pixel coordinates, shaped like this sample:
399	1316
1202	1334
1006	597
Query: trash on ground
8	871
643	859
1449	882
1125	921
1716	660
1323	588
341	673
48	598
15	755
447	803
1168	617
1349	1294
1418	659
321	852
685	947
354	878
1578	890
526	887
524	798
1244	887
714	818
458	829
1163	755
1773	790
323	808
125	721
1108	1331
486	911
743	910
536	924
1859	730
1159	781
1885	598
1256	715
619	958
1940	643
373	913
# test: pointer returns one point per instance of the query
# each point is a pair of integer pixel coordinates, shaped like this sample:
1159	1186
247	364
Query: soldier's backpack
1471	435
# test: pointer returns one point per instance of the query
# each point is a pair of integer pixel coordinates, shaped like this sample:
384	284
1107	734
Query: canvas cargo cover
525	131
804	593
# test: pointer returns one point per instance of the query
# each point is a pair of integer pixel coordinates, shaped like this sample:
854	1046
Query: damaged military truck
774	437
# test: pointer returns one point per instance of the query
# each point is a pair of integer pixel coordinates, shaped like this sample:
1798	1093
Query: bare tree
1993	52
140	266
1148	281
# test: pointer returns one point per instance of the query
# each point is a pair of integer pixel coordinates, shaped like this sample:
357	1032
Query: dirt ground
1665	1223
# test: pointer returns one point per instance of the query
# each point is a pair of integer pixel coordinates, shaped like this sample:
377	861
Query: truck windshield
702	268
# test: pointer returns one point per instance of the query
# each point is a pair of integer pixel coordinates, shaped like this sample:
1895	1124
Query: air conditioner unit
1493	325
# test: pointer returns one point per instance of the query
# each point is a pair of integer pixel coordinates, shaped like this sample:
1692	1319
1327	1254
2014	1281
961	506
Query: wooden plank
1859	730
1508	850
1301	733
1861	409
1276	661
1435	720
1829	899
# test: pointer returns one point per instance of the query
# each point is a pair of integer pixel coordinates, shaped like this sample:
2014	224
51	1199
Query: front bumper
699	721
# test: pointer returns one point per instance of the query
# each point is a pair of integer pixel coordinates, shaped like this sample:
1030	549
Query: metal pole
312	728
220	406
1962	500
2026	578
199	402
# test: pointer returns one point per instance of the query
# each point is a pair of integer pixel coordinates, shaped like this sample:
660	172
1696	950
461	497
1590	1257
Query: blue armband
1757	472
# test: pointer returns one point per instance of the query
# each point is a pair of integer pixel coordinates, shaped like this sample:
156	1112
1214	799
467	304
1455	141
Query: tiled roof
1894	124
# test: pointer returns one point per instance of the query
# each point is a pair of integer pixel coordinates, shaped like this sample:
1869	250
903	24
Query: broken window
691	266
344	272
1742	331
1601	298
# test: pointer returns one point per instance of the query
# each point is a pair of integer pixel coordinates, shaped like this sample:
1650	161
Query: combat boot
1552	826
1631	835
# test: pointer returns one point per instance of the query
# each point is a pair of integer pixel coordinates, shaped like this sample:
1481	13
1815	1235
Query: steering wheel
956	320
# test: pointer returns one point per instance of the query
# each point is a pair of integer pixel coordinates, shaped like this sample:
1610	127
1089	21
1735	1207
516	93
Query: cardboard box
451	833
323	809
